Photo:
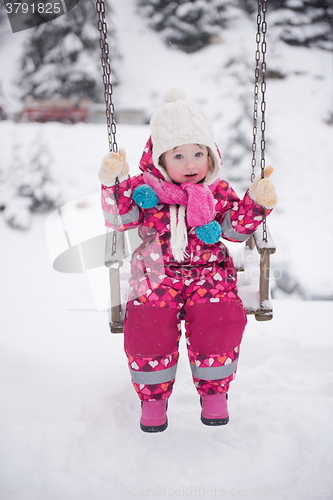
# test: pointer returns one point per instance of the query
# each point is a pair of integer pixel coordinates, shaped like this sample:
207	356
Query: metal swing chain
108	91
256	94
260	71
263	86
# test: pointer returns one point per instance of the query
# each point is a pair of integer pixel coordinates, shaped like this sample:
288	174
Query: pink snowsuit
202	290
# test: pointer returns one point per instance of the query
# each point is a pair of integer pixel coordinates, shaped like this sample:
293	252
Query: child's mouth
190	175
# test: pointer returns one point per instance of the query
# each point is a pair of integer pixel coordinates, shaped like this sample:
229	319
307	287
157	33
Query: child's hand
262	191
113	165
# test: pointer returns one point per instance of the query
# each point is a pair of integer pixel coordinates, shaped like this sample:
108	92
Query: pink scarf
198	198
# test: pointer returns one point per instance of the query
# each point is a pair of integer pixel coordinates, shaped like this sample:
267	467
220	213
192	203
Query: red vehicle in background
64	111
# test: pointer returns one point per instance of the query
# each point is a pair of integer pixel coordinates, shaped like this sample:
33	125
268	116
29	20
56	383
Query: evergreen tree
235	132
251	6
16	209
61	59
189	25
306	23
17	214
37	183
28	186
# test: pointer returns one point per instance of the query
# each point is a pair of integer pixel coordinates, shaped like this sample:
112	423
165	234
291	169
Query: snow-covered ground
69	419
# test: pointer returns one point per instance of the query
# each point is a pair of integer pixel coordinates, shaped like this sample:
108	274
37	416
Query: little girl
182	269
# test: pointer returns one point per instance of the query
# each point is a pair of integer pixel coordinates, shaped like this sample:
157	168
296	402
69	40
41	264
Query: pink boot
153	417
214	409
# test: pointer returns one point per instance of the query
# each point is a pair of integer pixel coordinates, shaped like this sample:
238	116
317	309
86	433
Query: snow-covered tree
251	6
37	183
61	59
28	186
189	25
17	213
235	133
307	23
16	209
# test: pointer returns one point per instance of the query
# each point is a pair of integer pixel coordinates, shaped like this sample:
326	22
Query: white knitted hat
179	122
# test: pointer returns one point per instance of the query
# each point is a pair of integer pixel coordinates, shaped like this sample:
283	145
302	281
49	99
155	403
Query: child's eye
198	154
178	157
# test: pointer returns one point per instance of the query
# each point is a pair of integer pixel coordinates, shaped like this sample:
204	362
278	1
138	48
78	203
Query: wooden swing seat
253	276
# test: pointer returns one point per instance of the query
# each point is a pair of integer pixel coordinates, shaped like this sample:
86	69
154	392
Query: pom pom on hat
173	95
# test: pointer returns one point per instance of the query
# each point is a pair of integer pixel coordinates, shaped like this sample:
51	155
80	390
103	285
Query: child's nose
188	164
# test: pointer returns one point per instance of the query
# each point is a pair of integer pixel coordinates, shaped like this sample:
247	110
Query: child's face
187	163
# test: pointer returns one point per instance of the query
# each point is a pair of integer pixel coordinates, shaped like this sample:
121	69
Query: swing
253	277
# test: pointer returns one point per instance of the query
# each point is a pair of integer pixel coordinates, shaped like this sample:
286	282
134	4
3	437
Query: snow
69	425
